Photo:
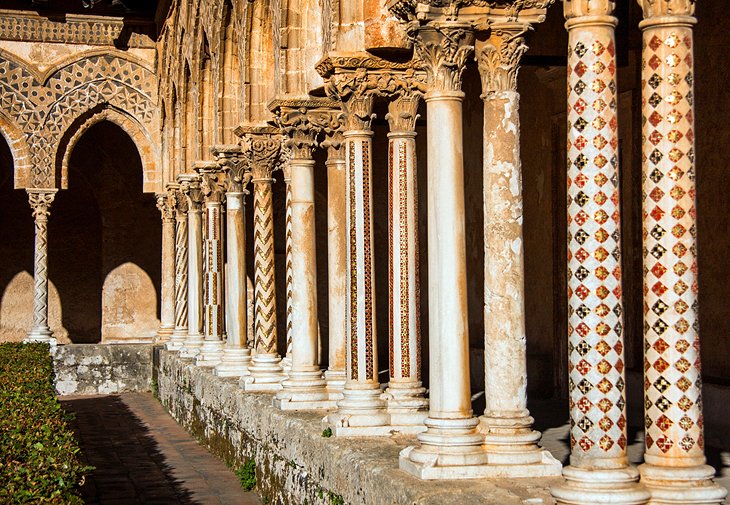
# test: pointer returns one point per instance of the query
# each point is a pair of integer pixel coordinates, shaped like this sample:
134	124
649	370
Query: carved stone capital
40	202
165	204
662	8
403	113
212	181
235	165
499	57
582	8
302	120
190	188
443	48
334	143
261	145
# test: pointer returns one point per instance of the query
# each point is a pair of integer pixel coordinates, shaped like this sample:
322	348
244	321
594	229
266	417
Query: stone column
407	404
336	262
40	203
236	355
165	204
361	411
287	359
212	185
510	440
180	333
262	146
674	469
599	471
302	120
190	188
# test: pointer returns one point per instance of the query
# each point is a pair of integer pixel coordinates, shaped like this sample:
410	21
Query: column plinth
40	202
405	394
674	470
212	188
599	471
165	204
190	188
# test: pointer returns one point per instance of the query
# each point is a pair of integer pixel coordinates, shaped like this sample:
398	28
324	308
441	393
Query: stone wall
296	464
87	369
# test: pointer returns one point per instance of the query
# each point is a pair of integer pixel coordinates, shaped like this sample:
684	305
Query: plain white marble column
167	288
190	188
40	203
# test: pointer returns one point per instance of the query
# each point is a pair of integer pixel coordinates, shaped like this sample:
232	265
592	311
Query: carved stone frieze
469	10
235	165
499	57
653	8
261	145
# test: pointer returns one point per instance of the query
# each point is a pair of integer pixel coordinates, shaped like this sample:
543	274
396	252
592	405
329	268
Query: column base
265	374
304	390
234	363
177	340
360	409
681	485
210	354
600	486
335	380
165	333
450	449
42	335
286	364
192	345
407	404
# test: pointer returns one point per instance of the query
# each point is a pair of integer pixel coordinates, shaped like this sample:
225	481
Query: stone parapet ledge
89	369
295	464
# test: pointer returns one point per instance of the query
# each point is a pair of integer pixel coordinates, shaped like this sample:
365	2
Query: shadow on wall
104	246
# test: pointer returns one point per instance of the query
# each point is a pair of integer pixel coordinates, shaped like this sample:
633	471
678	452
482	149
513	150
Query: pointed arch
18	143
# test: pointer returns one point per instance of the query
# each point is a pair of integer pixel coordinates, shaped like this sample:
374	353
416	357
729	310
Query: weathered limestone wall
87	369
295	464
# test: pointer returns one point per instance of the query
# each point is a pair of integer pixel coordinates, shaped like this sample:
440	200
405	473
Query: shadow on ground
129	465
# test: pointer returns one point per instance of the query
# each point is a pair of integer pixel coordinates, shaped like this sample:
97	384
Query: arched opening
229	108
206	122
104	254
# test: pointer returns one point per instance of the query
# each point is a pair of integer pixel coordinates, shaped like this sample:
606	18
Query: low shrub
246	474
38	452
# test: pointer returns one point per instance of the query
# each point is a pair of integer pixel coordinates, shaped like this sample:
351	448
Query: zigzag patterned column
407	404
165	204
180	333
40	203
262	146
675	469
190	188
286	360
599	471
213	187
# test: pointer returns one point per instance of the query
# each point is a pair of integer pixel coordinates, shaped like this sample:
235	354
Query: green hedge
38	452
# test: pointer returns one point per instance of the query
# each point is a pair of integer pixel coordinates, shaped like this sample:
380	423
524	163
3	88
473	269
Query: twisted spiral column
40	202
180	333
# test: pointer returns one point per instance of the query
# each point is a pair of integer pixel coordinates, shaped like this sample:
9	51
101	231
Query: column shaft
40	202
180	333
287	359
195	275
167	288
675	469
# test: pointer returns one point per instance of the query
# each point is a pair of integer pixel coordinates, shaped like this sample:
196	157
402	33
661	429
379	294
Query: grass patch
327	432
38	452
246	474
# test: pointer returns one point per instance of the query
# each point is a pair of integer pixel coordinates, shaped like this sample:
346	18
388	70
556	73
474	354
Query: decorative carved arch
18	143
146	147
59	65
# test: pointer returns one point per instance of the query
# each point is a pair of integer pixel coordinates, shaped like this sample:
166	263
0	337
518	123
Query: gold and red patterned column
407	404
262	147
599	470
674	469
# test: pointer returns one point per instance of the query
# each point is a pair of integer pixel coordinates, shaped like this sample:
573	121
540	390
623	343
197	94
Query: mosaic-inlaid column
236	354
336	262
286	360
407	404
212	185
262	147
165	204
451	441
674	469
190	188
180	333
40	203
361	407
302	121
511	442
599	471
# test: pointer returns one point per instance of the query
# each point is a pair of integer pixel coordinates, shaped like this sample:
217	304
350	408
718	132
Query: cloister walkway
143	456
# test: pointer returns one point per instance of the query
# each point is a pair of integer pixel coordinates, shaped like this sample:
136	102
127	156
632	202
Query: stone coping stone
90	369
296	465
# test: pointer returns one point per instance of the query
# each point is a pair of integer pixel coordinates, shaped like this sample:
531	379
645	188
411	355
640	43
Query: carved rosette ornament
40	203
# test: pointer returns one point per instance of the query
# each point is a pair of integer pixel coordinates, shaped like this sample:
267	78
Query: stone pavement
143	456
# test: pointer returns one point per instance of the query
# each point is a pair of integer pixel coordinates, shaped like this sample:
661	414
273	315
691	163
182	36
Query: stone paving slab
142	456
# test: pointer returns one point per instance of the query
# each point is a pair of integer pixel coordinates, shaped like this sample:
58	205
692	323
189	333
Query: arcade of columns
205	299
